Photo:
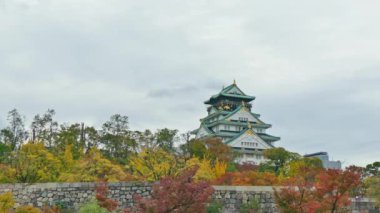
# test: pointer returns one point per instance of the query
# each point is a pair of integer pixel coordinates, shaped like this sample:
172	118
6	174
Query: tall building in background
230	118
324	156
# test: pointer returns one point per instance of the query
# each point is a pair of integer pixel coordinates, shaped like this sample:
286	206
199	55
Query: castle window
243	119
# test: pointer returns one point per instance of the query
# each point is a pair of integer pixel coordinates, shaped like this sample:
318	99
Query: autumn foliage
318	190
177	194
247	178
101	197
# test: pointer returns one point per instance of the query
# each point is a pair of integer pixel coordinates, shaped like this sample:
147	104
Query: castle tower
230	118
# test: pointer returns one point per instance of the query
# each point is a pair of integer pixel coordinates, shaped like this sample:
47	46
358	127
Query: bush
250	207
27	209
6	202
214	207
92	207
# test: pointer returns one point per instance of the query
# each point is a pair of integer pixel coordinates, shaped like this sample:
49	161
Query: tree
101	196
217	150
14	134
44	128
71	136
116	138
5	153
92	167
154	164
185	139
373	188
313	190
373	169
207	170
34	163
297	167
166	138
197	148
333	187
211	148
7	174
279	157
297	194
177	194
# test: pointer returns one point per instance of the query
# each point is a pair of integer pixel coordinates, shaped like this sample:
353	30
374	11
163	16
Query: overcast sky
313	65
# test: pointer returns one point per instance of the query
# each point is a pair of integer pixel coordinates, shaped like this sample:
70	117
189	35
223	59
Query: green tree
44	128
197	148
166	138
14	134
71	135
373	188
5	153
117	139
278	157
373	169
295	168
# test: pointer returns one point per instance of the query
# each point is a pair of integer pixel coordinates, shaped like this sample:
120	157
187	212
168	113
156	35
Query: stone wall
233	197
72	195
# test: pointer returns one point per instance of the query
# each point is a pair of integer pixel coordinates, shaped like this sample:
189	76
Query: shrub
92	207
6	202
214	207
101	197
250	207
27	209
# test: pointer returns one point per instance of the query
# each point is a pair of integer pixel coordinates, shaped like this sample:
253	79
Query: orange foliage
245	178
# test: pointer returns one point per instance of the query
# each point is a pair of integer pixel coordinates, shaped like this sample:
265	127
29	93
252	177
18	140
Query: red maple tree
318	190
176	194
333	187
101	196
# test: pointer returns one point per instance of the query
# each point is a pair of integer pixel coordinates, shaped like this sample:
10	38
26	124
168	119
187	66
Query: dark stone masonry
73	195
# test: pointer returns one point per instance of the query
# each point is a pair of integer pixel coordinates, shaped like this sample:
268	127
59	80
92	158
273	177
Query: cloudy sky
313	65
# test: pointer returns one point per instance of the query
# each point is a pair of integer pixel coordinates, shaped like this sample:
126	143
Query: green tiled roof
238	123
231	113
225	93
267	137
238	109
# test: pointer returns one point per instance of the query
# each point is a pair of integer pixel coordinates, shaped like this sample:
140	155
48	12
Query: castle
231	119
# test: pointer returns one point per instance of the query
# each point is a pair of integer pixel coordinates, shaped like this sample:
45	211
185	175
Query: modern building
325	160
230	118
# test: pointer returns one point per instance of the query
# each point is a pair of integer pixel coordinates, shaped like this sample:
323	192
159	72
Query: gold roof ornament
250	129
249	125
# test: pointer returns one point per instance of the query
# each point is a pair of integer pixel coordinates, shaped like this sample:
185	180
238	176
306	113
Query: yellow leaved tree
153	164
34	163
206	170
7	174
93	167
6	202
